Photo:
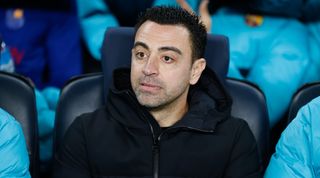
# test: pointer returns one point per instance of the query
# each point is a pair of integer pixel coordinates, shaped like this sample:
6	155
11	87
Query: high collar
209	102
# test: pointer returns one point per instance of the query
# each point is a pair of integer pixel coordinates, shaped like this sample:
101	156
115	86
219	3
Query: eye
167	59
141	55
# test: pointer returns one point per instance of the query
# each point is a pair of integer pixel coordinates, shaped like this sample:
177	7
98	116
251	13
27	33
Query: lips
149	87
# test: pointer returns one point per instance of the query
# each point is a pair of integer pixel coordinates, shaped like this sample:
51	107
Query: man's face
161	67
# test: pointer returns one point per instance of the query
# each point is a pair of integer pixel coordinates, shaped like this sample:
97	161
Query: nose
151	67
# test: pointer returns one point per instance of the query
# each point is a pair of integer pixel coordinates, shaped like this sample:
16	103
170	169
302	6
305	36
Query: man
166	123
13	150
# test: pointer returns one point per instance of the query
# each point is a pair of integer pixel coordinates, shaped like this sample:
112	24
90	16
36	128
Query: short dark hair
166	15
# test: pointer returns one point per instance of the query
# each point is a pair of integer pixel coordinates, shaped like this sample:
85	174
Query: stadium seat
80	95
249	103
17	97
305	94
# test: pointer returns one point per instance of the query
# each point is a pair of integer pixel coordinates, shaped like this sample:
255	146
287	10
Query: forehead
152	33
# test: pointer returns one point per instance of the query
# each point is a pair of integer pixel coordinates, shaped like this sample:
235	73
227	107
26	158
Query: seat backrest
80	95
17	97
118	42
249	103
303	96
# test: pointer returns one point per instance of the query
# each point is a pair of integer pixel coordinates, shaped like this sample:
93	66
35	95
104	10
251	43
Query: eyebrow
164	48
138	43
170	48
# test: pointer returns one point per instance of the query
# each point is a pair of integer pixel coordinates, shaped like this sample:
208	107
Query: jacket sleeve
95	18
275	54
244	160
281	66
71	159
13	151
296	151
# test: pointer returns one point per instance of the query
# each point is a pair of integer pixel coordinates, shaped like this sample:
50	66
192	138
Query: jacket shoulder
13	150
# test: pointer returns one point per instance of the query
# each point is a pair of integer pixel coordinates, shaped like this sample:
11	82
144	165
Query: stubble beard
158	100
149	99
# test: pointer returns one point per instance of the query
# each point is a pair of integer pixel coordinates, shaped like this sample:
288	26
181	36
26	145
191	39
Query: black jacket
122	139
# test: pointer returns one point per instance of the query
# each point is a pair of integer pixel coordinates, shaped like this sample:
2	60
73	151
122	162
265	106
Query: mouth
148	87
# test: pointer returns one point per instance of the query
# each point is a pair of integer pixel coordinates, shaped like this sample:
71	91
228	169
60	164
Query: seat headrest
118	42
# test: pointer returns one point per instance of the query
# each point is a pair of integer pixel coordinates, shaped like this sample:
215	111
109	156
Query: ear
197	68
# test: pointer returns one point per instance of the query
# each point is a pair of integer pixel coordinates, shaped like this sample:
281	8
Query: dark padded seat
18	98
249	103
80	95
303	96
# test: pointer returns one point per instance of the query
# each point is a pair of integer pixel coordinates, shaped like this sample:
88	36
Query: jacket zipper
156	140
156	144
156	156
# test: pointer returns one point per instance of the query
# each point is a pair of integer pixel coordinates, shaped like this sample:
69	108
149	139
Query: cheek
135	69
133	76
137	65
177	78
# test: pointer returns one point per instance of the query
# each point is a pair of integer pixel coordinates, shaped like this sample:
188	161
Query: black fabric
117	140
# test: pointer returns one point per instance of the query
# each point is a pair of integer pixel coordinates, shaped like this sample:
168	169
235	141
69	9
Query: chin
148	104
